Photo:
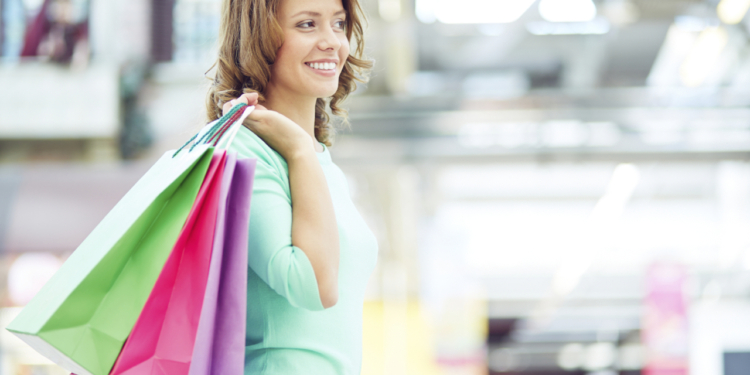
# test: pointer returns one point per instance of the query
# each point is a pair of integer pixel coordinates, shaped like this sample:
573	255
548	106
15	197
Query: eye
341	24
306	23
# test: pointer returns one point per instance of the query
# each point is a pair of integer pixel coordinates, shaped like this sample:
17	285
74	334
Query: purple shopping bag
220	341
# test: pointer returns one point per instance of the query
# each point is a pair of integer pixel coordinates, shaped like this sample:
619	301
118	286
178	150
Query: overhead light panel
567	10
732	11
607	210
390	10
598	26
474	11
425	10
703	56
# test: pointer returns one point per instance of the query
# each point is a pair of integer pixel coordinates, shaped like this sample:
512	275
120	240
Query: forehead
290	8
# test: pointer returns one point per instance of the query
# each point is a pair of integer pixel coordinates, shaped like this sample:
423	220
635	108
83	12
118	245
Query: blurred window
185	31
2	27
12	28
161	29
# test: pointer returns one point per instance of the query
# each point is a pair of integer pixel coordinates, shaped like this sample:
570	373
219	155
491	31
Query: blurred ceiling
614	89
515	129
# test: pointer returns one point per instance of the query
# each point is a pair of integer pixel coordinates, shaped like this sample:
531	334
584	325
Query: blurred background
558	186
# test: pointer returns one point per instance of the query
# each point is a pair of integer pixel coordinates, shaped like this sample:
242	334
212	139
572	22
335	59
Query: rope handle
238	123
217	130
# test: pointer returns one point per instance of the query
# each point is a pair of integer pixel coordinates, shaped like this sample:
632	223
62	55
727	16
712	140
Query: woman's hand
277	130
314	228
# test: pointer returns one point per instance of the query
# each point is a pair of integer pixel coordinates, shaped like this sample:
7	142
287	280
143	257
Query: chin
322	94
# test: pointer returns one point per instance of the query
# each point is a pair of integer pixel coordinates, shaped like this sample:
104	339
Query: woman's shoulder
248	145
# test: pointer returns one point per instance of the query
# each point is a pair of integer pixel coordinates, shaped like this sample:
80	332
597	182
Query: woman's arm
314	229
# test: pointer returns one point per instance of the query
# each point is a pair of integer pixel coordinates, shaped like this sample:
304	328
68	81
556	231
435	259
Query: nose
328	39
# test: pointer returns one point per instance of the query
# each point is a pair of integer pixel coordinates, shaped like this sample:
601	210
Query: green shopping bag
82	316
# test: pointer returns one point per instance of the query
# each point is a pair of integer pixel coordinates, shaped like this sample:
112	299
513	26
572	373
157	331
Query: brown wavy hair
249	37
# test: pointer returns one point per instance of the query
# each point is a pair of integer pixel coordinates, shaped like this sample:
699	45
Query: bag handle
217	129
233	132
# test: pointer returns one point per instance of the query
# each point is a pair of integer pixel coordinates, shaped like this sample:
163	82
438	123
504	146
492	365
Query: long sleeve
287	329
271	255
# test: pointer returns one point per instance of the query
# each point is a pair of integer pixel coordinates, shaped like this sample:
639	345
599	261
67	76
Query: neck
300	109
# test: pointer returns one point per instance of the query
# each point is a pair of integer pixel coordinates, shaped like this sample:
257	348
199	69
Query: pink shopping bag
220	342
163	337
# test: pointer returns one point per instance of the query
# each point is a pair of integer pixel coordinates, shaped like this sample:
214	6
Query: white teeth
322	66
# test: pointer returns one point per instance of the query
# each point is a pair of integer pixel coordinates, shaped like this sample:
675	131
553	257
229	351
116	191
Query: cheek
344	50
288	54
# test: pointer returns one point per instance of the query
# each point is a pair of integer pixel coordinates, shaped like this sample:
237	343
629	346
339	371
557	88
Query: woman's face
315	48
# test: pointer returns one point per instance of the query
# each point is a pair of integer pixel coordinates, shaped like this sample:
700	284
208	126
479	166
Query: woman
310	252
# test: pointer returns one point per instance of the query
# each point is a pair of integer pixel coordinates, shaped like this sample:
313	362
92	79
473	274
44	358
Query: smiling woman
249	47
310	253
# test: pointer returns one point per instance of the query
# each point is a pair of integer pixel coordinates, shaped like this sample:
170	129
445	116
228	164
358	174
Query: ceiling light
598	26
631	357
608	209
599	356
425	10
732	11
476	135
624	181
564	133
567	10
571	356
478	11
621	12
703	56
390	10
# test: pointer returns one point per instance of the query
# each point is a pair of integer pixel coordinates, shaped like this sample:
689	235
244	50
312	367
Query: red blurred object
665	324
58	35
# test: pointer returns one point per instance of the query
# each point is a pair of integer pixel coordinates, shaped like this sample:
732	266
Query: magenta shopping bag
220	341
163	337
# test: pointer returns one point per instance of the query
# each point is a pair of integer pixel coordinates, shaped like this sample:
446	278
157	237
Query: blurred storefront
558	186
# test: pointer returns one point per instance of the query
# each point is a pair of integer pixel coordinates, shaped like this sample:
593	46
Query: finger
255	115
233	103
251	98
258	117
260	111
226	107
241	99
251	124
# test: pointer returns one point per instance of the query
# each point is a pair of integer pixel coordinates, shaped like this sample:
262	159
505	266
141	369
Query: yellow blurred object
381	322
402	338
732	11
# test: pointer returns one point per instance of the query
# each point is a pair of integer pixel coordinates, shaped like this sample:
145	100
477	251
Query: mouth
323	69
326	66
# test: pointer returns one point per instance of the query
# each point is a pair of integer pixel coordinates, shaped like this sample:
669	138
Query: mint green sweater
288	330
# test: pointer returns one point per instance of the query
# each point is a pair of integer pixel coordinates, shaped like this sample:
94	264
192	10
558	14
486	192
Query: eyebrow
316	14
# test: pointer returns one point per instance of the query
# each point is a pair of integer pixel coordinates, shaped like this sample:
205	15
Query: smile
322	66
323	69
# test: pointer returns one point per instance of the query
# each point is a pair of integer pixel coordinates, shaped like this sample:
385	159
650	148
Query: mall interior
556	186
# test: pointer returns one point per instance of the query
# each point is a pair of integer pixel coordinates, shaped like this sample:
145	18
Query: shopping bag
220	341
162	339
82	316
